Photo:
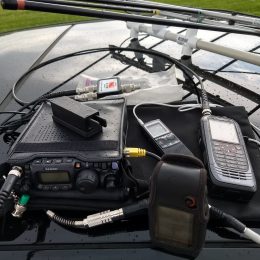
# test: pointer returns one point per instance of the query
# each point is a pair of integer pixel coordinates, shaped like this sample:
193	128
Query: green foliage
14	20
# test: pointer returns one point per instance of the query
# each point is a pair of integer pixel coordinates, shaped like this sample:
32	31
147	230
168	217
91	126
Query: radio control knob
87	181
110	182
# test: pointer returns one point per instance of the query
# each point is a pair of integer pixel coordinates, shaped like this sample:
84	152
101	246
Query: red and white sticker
108	85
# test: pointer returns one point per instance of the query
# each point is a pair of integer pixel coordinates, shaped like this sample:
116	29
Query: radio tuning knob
110	182
87	181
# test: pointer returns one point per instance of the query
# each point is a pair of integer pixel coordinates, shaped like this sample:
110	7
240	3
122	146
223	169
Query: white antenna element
188	48
193	42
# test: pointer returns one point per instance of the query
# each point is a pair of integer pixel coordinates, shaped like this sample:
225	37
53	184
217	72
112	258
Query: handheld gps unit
226	156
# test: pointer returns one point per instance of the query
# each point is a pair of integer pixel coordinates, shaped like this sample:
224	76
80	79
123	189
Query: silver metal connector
127	88
17	171
103	218
86	96
90	221
88	89
206	112
18	210
50	213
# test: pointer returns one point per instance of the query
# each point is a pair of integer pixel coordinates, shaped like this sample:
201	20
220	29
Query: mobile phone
226	156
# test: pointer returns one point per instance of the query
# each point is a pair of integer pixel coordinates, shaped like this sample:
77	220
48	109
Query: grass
15	20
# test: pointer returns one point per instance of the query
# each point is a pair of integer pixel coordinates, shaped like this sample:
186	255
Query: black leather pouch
178	207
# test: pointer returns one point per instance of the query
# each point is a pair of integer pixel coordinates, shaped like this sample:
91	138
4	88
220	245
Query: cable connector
94	220
134	152
230	221
20	206
127	88
14	174
86	96
139	152
16	171
101	218
88	89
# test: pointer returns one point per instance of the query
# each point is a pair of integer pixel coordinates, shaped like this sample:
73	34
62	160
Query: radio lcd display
54	177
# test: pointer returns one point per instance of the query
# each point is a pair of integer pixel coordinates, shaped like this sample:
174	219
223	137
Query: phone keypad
230	156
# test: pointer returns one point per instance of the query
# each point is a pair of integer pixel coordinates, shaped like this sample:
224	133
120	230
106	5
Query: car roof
25	49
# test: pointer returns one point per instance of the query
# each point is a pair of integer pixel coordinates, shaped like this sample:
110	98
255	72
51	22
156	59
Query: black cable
101	218
19	110
153	155
43	64
255	131
230	221
226	219
128	38
15	124
90	51
59	94
169	8
252	111
6	126
12	112
11	179
53	89
87	67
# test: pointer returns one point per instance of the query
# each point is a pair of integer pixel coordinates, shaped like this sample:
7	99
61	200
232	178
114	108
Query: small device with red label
109	86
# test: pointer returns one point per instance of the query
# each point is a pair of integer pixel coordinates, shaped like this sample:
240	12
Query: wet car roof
22	50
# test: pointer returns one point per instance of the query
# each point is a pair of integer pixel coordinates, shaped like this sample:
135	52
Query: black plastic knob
110	183
87	181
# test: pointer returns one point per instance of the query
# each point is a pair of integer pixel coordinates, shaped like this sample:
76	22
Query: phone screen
223	131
